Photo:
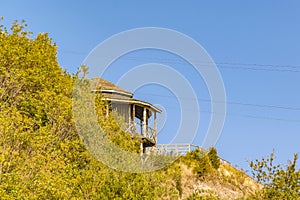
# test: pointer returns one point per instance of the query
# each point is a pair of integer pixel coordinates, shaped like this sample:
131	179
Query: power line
259	65
245	116
260	69
224	65
227	102
220	63
238	103
227	65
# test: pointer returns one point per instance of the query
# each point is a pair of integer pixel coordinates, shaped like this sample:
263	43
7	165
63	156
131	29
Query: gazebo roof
116	94
108	87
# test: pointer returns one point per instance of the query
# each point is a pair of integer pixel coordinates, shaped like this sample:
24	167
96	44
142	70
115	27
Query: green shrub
214	158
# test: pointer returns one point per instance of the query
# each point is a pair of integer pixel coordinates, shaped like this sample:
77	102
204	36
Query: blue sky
255	45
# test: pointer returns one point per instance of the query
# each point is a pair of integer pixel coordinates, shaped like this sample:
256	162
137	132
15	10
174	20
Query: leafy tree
278	182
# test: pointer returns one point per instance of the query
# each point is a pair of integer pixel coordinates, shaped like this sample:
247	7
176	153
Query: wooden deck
146	141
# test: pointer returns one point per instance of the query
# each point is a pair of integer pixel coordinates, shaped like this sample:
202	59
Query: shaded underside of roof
136	102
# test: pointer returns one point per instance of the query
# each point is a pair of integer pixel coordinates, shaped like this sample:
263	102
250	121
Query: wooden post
142	149
129	118
129	114
107	110
145	122
133	117
141	126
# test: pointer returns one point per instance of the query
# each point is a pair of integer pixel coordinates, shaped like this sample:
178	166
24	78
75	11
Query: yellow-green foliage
41	155
209	195
279	183
203	163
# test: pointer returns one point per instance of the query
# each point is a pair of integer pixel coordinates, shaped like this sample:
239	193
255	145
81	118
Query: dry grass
226	183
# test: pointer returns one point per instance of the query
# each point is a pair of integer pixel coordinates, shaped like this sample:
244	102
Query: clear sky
255	45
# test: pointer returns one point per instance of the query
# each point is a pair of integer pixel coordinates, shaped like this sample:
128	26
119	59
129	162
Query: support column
142	149
141	126
107	110
129	119
129	114
133	118
145	122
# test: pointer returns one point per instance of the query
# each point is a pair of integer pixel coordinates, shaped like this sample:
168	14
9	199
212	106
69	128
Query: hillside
42	156
201	179
226	185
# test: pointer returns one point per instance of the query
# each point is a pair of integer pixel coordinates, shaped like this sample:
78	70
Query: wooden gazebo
136	113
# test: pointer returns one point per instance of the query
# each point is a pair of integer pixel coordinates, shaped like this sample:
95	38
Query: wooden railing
131	128
166	149
134	128
180	150
175	149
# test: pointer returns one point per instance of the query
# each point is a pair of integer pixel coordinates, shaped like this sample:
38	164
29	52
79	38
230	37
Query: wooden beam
141	126
142	149
133	118
129	115
145	122
107	110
